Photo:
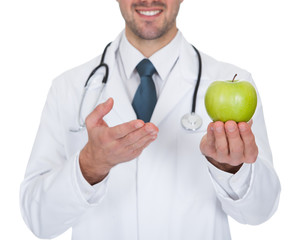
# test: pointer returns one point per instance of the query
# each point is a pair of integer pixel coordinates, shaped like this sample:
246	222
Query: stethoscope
190	121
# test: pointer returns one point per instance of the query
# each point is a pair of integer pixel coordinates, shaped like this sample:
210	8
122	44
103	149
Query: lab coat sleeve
232	185
53	195
251	196
91	193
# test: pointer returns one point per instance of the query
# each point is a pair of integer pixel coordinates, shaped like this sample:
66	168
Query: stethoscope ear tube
198	81
105	78
102	64
81	123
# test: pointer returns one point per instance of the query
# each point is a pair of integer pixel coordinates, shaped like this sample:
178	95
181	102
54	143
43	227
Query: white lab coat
167	193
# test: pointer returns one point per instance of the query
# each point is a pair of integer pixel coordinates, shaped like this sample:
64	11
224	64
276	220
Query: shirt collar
163	60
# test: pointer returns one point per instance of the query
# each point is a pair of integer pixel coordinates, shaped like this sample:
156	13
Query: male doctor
135	173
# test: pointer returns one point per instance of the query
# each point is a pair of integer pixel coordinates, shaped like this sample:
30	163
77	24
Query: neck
149	47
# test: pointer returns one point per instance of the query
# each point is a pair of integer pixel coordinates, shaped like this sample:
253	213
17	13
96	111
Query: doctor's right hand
109	146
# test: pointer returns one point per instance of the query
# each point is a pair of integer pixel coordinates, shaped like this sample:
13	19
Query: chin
150	34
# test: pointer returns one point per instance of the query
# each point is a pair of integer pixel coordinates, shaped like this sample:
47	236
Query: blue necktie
145	97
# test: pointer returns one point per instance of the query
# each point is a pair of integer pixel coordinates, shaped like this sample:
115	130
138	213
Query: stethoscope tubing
191	126
193	108
102	64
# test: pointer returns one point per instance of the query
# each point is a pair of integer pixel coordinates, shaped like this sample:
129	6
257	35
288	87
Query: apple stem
234	77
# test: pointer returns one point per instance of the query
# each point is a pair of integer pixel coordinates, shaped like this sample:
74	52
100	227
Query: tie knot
145	68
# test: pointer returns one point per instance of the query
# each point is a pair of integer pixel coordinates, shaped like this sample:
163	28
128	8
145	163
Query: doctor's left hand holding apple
229	141
228	145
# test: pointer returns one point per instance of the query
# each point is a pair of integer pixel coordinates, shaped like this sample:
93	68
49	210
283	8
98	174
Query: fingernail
154	137
242	127
231	128
153	133
219	129
139	124
149	128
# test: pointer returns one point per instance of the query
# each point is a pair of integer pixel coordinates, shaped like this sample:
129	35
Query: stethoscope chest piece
191	122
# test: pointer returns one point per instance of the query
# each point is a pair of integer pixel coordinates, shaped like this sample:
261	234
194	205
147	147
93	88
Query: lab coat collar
163	60
182	79
130	56
189	62
115	87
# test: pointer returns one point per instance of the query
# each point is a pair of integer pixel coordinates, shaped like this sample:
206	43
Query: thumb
95	118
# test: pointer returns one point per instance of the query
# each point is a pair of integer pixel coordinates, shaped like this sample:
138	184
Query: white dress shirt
163	60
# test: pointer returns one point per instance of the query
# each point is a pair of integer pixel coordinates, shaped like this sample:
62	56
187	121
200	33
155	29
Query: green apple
231	100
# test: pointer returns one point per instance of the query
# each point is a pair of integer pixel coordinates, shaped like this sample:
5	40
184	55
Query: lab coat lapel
182	79
115	87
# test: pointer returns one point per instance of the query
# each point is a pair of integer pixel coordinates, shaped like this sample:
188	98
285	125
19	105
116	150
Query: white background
41	39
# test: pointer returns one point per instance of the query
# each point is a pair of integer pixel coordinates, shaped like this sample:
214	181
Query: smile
150	13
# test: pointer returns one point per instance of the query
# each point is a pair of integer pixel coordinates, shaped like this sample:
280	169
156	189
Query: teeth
149	13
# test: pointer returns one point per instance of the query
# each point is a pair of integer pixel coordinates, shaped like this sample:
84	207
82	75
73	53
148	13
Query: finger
133	137
250	146
250	122
207	143
211	136
142	143
124	129
208	146
235	143
220	141
95	118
